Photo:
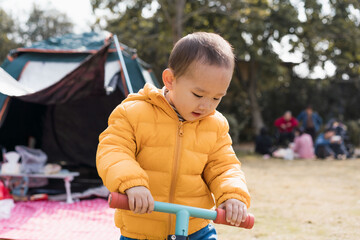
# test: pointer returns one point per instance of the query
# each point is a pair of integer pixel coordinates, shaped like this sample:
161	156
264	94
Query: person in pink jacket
303	145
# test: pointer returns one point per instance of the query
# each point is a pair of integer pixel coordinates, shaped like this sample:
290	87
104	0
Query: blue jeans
206	233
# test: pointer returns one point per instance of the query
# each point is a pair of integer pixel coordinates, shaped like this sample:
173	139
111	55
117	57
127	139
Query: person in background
303	146
341	130
285	125
310	121
329	146
264	143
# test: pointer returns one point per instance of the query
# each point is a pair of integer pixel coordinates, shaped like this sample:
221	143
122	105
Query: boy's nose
204	105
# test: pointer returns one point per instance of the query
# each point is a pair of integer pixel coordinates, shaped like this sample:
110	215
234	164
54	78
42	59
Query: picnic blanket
87	219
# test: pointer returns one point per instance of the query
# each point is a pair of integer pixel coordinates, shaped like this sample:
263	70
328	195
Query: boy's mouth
195	114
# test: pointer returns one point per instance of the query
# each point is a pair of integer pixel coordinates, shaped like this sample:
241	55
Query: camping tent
57	94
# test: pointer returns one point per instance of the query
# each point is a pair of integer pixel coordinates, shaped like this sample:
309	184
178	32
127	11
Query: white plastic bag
32	160
289	154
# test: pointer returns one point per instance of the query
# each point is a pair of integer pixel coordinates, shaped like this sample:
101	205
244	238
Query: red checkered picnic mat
87	219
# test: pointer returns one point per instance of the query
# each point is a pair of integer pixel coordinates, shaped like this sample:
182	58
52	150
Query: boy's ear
168	78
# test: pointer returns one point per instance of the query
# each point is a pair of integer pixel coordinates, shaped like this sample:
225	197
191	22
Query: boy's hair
207	48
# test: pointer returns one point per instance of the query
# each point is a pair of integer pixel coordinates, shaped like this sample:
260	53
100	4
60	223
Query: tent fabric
87	79
11	87
88	76
71	50
86	42
65	114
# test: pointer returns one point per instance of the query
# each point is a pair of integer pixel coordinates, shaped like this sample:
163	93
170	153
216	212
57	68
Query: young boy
171	145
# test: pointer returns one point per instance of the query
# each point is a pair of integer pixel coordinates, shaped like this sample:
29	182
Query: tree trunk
246	74
257	119
178	20
174	14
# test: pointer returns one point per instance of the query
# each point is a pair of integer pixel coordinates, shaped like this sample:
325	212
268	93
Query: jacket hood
153	95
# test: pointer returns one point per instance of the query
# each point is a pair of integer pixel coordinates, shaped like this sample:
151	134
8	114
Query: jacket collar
156	97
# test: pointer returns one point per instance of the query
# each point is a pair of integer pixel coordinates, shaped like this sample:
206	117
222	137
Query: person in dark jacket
264	143
310	121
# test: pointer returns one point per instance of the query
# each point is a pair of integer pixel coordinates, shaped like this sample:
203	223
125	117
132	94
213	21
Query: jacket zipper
179	135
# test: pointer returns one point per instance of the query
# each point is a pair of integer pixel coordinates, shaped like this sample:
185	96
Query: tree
332	36
264	86
344	39
154	35
252	27
6	28
43	24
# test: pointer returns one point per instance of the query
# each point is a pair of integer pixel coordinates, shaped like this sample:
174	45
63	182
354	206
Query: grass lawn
300	199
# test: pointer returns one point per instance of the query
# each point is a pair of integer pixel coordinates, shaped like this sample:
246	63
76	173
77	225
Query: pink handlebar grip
117	200
221	219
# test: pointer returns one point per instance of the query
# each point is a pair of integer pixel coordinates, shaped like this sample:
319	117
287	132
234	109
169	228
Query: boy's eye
216	99
198	96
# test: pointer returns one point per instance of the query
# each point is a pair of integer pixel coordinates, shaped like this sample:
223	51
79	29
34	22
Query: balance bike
120	201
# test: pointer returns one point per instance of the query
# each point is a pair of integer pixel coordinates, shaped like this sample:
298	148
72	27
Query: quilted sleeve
223	172
115	158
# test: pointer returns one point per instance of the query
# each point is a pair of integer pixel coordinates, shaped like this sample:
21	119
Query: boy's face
198	92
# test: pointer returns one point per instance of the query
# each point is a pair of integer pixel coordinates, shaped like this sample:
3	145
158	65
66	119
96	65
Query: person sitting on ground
328	146
310	121
264	143
342	131
339	128
303	145
285	125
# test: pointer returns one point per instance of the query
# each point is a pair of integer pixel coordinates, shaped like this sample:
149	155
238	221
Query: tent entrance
23	125
68	133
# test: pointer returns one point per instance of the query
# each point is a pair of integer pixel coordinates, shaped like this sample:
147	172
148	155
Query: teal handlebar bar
117	200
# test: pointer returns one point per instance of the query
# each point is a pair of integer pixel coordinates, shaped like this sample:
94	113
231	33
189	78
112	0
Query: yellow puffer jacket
145	144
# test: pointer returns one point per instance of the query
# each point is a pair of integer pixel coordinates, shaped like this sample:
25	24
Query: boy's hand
140	200
236	211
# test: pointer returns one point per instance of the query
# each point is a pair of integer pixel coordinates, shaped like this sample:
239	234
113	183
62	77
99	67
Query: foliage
264	86
43	24
40	25
354	131
333	36
6	28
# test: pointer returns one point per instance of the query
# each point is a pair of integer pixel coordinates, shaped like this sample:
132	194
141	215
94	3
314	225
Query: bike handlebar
120	201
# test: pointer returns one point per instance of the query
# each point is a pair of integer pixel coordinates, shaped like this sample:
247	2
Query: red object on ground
4	192
117	200
39	197
44	220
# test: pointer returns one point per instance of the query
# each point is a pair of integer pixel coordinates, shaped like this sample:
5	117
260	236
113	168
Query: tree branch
163	9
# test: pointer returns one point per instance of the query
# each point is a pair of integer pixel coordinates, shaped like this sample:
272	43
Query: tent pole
122	61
